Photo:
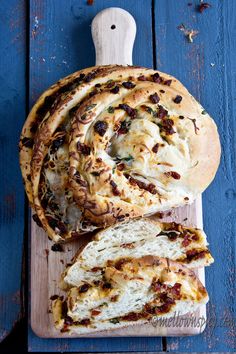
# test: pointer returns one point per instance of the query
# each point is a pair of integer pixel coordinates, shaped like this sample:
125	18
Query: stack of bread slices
133	273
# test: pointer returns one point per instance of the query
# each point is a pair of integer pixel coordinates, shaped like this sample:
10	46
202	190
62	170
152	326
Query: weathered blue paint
208	68
60	43
12	115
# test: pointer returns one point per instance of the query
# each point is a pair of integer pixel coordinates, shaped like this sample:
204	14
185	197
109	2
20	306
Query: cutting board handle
113	32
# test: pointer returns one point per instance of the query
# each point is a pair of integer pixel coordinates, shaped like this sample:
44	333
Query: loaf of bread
111	143
137	238
131	291
140	144
44	162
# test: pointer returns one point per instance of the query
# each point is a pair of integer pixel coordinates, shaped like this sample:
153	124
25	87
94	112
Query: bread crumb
189	34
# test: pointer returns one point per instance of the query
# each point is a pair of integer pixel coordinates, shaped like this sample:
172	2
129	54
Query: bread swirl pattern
137	238
111	143
132	291
140	144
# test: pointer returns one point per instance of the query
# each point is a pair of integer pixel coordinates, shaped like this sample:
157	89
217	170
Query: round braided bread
114	142
140	144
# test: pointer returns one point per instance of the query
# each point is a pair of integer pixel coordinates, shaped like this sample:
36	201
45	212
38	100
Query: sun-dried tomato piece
95	312
128	85
129	110
132	316
115	189
142	78
173	174
83	149
115	90
157	78
162	112
176	291
155	148
178	99
154	98
124	127
100	127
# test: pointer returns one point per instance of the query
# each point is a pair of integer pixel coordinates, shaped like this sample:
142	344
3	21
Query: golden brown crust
34	119
44	138
174	148
32	149
190	159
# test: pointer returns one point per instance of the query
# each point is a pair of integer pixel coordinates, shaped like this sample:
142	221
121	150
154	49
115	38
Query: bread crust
31	125
32	154
104	193
104	203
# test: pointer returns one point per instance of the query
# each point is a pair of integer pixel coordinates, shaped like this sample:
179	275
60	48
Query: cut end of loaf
137	238
132	291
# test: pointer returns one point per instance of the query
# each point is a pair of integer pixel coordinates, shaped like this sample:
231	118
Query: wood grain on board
46	269
49	267
57	49
12	115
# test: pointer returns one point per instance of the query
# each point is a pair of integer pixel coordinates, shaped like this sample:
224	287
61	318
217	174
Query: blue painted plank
12	115
102	345
60	43
208	68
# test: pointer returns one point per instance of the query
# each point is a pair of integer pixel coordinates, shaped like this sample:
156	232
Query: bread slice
137	238
131	291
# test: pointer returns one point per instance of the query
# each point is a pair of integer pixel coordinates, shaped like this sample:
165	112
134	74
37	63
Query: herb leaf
114	320
128	158
91	106
110	109
149	110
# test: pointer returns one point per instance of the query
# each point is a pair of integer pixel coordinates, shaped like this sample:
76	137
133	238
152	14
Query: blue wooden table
42	41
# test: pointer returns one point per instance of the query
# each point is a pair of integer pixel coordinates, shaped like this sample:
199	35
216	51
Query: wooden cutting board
113	32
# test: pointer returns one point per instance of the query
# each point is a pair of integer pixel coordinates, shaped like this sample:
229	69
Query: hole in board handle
113	27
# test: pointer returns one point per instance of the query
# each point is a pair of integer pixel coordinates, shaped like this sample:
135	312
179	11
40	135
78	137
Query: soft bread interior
138	238
132	291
